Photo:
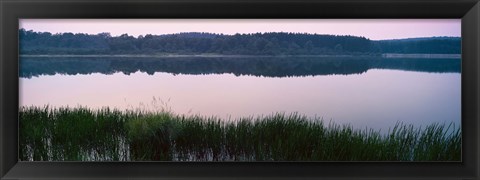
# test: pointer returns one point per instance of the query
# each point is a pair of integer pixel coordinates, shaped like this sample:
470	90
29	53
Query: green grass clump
71	134
82	134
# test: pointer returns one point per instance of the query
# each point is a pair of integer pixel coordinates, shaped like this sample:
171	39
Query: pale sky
374	29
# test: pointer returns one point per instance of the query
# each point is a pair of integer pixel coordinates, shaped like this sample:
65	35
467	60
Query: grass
83	134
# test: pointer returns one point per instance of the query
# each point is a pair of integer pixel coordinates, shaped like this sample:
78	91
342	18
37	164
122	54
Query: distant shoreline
189	55
386	55
428	56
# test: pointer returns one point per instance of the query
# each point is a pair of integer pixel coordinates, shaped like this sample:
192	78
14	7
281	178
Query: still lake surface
363	92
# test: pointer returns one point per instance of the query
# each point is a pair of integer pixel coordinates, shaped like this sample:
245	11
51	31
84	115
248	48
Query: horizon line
229	34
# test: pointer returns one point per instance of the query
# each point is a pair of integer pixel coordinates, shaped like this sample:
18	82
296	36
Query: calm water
374	93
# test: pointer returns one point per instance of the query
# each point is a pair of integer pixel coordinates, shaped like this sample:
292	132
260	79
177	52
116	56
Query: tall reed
83	134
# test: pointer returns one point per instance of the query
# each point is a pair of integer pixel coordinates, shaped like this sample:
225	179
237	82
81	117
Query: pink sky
374	29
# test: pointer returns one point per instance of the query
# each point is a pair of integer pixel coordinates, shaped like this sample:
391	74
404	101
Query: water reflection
372	93
266	66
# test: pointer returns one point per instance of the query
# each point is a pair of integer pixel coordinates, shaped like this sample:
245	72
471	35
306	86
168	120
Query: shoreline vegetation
84	134
269	43
387	55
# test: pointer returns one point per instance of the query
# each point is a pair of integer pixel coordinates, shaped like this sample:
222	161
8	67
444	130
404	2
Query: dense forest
278	43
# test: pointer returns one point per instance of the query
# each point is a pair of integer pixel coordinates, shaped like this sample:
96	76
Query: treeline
240	44
437	45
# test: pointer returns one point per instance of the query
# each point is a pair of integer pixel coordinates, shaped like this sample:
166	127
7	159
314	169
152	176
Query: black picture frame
13	10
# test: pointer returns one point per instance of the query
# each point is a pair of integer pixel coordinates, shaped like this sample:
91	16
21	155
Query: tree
249	44
308	46
338	48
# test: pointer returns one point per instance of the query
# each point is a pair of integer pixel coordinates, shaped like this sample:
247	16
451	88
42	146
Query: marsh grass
82	134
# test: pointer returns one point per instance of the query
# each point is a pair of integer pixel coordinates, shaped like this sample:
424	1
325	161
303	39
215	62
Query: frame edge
5	168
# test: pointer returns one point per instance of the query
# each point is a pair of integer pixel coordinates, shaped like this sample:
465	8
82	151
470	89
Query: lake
365	92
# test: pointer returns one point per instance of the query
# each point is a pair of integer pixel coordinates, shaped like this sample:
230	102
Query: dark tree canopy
275	43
